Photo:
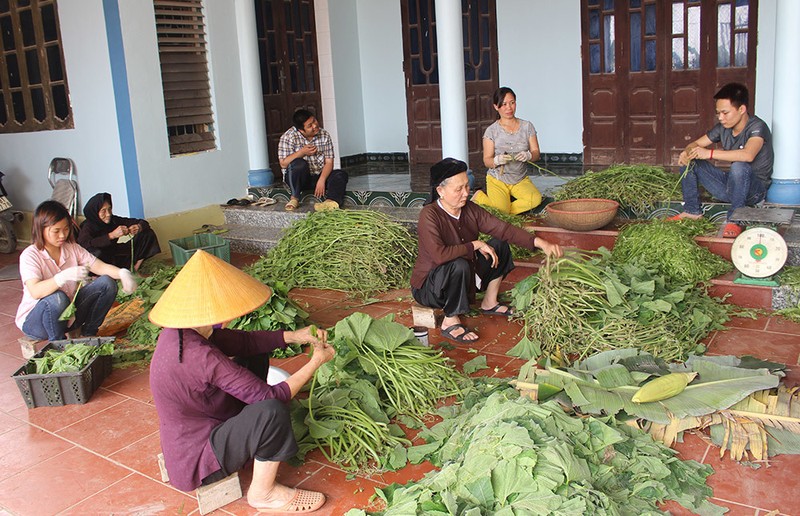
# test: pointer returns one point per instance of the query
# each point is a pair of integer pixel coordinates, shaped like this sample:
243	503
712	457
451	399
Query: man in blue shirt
745	142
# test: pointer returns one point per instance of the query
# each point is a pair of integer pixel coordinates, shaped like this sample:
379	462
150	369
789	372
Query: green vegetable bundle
578	306
358	251
72	358
506	455
150	288
380	372
670	248
637	187
517	252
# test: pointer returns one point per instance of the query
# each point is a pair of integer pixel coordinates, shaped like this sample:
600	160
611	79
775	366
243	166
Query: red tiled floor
66	478
113	469
136	494
113	429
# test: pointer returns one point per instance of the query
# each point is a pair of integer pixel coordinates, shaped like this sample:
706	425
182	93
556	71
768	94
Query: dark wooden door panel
287	46
649	82
422	77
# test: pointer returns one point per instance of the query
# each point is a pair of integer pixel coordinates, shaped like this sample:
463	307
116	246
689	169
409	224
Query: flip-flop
495	310
302	502
265	201
731	230
292	205
447	333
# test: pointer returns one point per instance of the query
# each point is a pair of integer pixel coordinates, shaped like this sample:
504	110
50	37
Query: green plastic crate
183	248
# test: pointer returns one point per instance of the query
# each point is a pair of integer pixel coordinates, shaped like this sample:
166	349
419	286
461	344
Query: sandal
495	310
303	501
292	205
447	333
265	201
731	230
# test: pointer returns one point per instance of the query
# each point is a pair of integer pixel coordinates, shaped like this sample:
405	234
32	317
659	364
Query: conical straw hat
208	291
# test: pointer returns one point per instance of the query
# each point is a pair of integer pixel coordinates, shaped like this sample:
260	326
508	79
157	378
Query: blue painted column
122	101
452	90
258	159
785	188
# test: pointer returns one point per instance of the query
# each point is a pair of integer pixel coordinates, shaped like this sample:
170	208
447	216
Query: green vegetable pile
358	251
500	454
380	372
149	290
72	358
790	278
279	313
517	252
637	187
576	305
670	247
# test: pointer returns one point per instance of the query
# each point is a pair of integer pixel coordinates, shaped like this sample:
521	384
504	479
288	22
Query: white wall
171	185
346	58
765	60
539	45
383	83
93	144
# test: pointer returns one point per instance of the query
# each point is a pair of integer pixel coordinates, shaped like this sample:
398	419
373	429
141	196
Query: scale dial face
759	252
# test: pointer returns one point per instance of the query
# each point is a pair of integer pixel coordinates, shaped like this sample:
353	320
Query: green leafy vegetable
500	454
72	358
69	311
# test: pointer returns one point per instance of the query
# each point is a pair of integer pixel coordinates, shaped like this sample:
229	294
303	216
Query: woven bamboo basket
582	214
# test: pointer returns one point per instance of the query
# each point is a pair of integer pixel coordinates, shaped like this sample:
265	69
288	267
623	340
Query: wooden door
287	47
651	68
422	76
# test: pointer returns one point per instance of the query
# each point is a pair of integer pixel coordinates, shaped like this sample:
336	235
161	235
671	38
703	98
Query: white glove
502	159
523	156
77	273
128	281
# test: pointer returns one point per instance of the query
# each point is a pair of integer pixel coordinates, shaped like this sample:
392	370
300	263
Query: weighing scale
760	252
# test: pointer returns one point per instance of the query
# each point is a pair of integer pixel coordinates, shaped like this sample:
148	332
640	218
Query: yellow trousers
526	196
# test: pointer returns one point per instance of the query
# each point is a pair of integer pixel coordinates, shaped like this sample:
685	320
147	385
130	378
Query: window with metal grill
33	80
181	30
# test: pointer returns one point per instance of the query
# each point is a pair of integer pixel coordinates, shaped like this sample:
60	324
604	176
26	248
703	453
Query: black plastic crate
53	390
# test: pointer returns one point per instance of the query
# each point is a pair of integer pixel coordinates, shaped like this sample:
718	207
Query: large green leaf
386	335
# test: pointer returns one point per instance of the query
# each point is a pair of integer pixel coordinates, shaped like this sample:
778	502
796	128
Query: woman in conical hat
217	413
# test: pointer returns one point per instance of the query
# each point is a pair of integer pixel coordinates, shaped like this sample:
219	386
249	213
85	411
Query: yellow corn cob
663	387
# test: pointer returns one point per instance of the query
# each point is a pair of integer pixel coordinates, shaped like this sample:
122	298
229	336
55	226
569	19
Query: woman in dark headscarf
101	231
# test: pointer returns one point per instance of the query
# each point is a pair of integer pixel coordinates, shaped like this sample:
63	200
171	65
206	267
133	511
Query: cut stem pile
358	251
637	187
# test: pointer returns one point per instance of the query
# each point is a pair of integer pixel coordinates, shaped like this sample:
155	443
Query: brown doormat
9	272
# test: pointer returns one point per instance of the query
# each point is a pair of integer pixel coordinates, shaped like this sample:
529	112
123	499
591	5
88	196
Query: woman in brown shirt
452	263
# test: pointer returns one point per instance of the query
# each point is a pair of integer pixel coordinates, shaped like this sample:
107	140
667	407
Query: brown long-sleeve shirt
443	238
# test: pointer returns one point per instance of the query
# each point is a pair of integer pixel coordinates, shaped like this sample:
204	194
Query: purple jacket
206	389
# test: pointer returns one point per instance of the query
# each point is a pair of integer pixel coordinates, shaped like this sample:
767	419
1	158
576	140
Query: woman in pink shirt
52	267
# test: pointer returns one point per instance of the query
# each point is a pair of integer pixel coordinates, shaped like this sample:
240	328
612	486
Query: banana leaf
608	389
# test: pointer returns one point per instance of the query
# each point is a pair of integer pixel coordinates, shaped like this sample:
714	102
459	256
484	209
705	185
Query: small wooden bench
426	316
212	496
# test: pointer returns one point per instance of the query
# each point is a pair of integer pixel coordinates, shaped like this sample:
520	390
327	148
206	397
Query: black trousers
145	245
261	431
448	286
299	178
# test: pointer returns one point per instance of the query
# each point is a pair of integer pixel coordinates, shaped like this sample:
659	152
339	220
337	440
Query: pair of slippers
449	332
239	202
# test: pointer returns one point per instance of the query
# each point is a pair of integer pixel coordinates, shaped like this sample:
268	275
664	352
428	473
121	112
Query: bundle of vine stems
638	187
358	251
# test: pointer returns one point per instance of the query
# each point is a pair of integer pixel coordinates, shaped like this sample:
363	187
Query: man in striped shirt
305	152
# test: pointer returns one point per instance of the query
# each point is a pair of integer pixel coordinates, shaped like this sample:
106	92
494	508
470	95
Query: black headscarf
445	169
92	213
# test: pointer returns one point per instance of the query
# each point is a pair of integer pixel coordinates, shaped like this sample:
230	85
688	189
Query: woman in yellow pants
508	144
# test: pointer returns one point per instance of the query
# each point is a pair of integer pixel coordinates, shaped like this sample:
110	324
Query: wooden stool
427	317
27	347
213	496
